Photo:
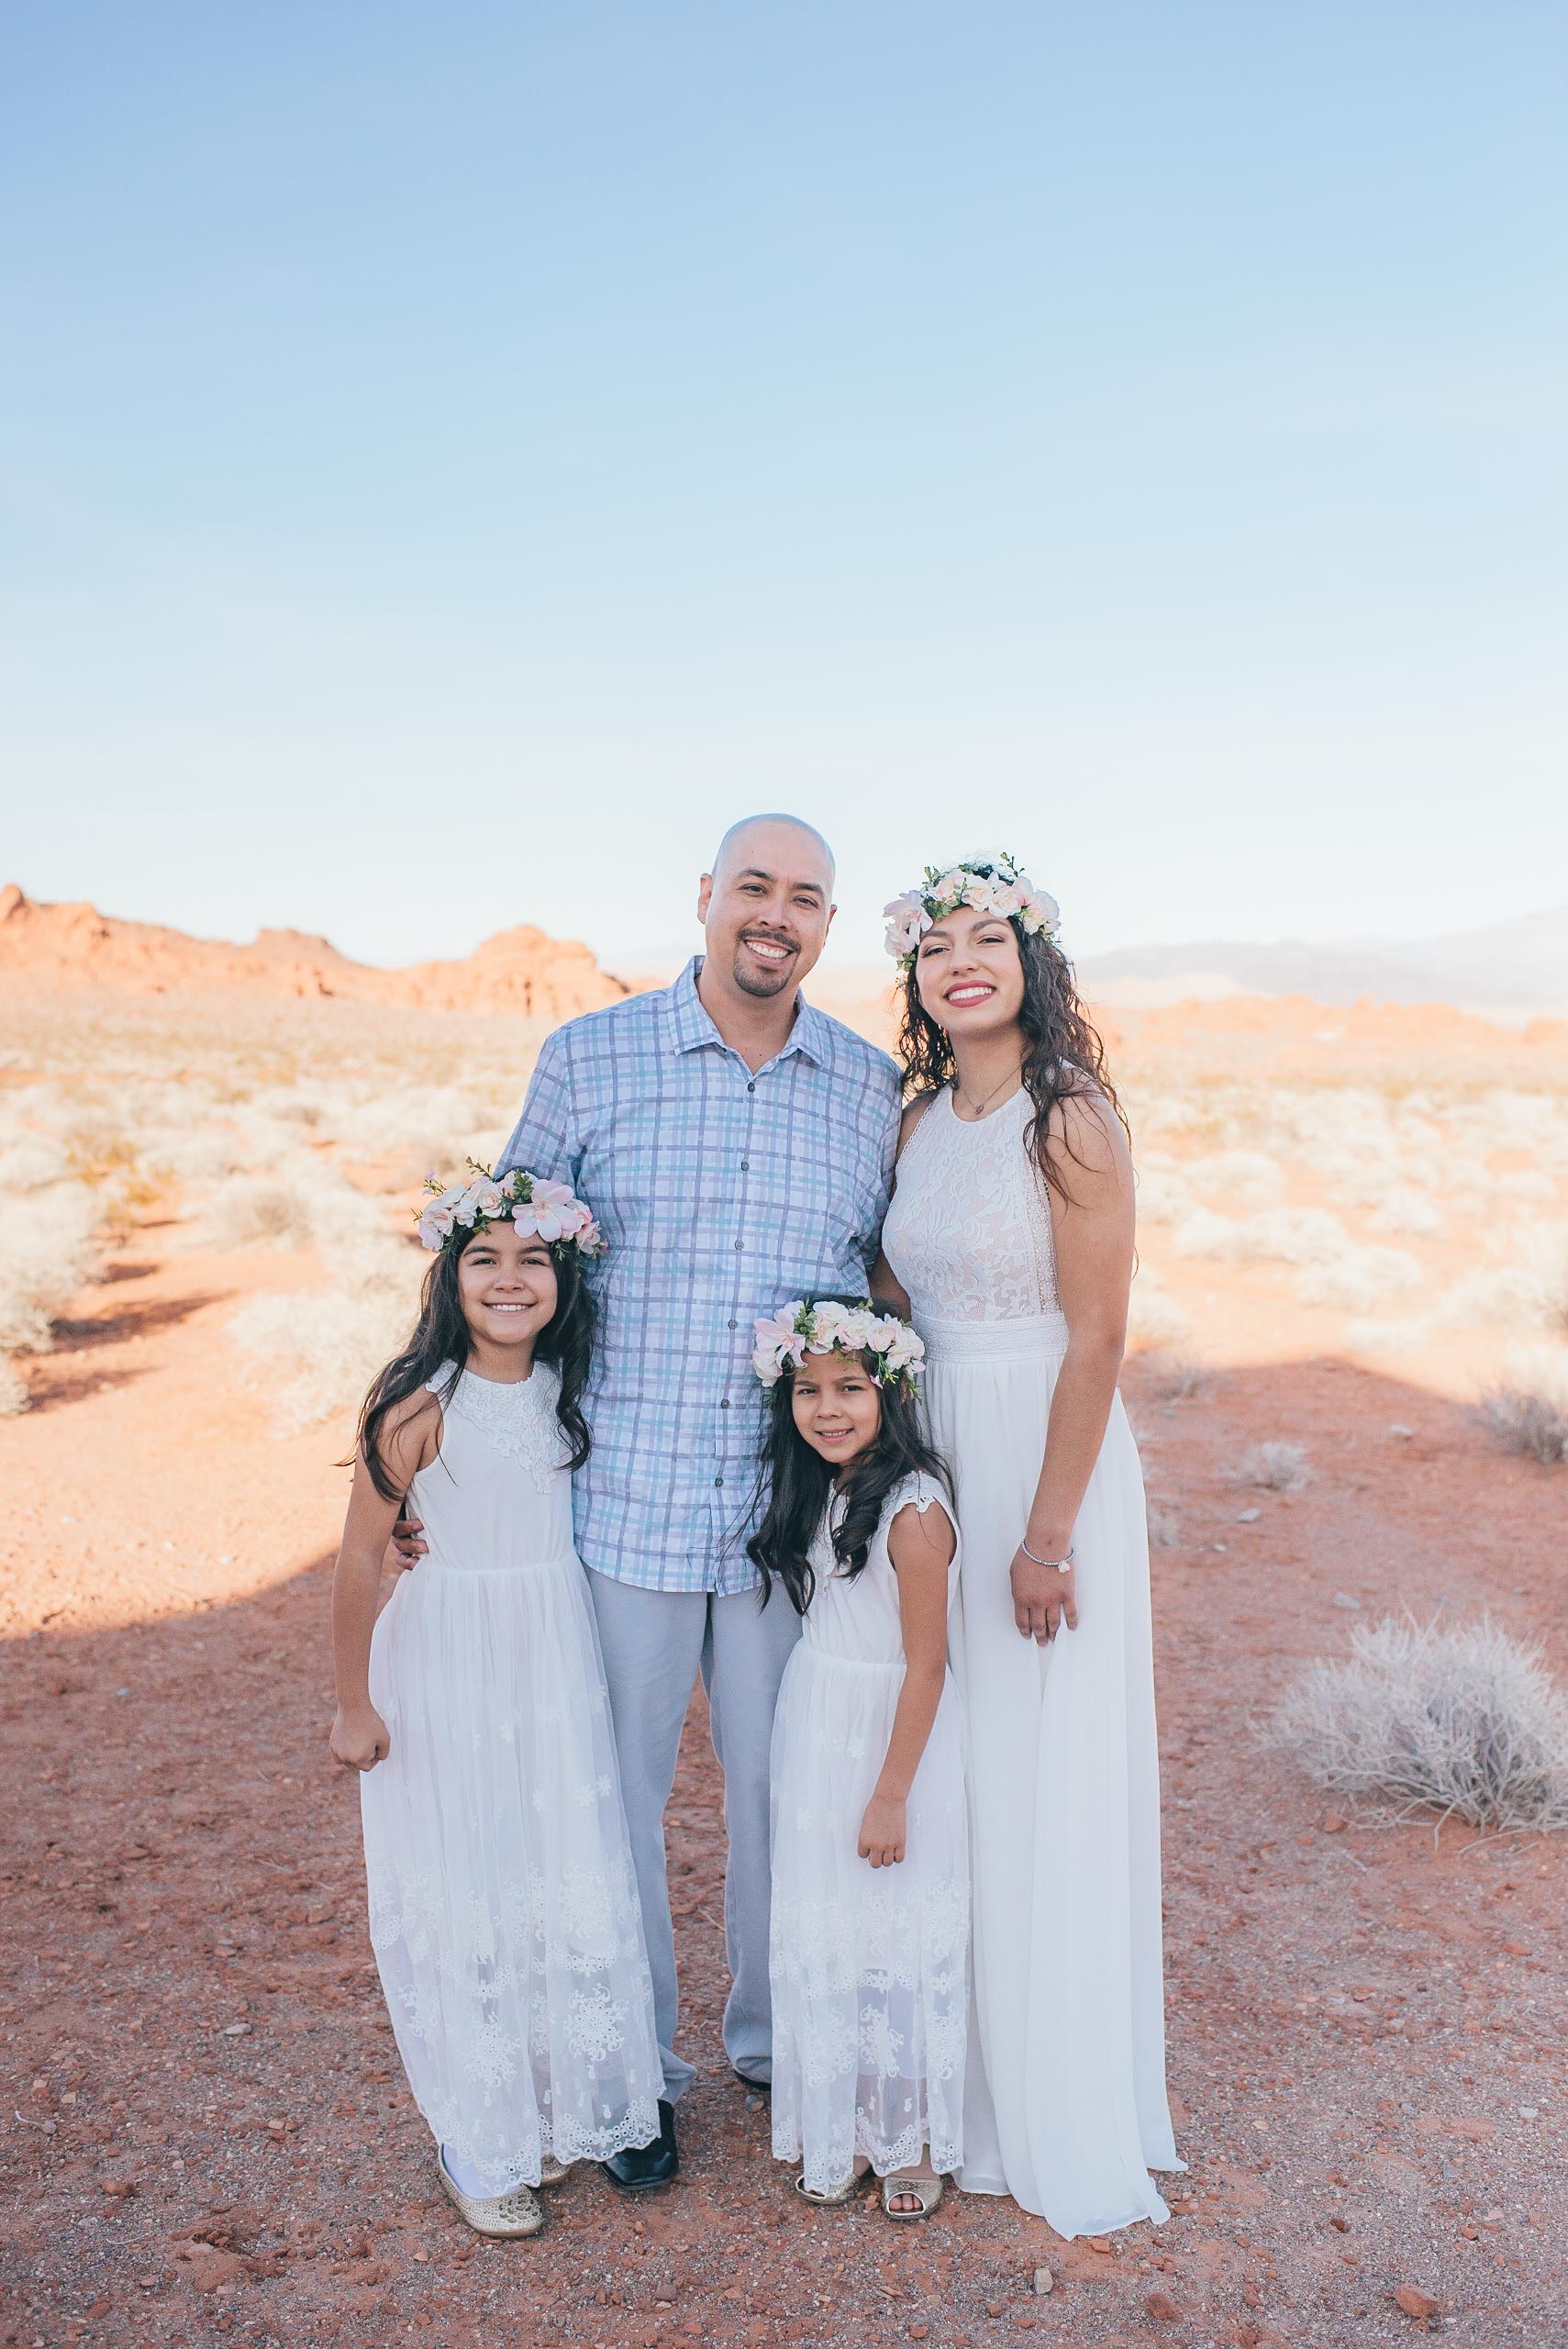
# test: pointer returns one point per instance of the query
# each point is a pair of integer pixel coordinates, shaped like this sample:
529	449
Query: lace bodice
969	1230
497	1494
859	1616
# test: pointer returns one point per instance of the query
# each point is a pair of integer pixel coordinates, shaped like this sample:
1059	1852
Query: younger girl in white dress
870	1836
503	1908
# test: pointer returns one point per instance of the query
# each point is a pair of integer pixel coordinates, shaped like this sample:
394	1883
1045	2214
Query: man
737	1146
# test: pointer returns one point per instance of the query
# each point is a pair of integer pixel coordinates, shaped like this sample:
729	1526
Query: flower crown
527	1201
785	1338
991	885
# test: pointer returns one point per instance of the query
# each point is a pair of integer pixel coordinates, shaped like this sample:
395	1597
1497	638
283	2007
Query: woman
1011	1233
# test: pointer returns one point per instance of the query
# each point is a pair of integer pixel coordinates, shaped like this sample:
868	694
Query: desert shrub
13	1396
46	1255
320	1353
1401	1207
1164	1526
1163	1193
1463	1721
257	1211
1152	1317
1179	1379
1247	1175
1358	1278
1529	1183
1282	1236
1275	1467
1525	1423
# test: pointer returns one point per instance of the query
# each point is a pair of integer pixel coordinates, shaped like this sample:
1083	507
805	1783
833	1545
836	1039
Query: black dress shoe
642	2167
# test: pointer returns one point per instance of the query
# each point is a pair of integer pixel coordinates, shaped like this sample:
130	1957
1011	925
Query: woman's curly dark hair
798	1481
1063	1057
566	1342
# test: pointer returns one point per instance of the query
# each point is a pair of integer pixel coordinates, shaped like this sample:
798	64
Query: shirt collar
691	1027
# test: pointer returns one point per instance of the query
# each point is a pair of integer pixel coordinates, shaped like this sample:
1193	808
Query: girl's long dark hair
566	1342
798	1481
1064	1056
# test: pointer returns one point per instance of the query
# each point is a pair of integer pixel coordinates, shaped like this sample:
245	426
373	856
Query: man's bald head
766	908
762	839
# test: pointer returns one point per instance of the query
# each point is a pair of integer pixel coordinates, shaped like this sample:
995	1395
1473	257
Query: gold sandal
503	2217
830	2197
927	2192
552	2171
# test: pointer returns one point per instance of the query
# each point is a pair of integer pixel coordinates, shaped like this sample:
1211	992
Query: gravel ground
207	2136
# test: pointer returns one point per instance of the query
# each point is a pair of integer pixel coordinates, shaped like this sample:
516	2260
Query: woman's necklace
978	1109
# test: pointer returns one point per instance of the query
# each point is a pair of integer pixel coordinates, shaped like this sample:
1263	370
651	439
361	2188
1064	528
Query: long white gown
1067	2112
870	1966
503	1907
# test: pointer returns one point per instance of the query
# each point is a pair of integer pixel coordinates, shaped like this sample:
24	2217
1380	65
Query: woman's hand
1044	1598
882	1831
359	1738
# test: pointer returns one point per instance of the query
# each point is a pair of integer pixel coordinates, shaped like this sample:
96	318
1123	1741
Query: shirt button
733	1323
745	1166
738	1245
718	1480
752	1087
725	1404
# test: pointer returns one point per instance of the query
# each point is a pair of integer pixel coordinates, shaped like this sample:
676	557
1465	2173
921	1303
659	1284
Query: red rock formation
523	971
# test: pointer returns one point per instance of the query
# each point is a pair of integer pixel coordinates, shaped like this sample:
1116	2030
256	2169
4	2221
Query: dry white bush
28	1163
1245	1175
1178	1380
15	1397
1526	1423
46	1255
1356	1278
1528	1182
1401	1207
1462	1720
257	1211
320	1353
1276	1467
1538	1370
1163	1193
1281	1236
1152	1317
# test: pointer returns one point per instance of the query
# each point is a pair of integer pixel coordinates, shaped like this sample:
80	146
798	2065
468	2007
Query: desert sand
1350	1226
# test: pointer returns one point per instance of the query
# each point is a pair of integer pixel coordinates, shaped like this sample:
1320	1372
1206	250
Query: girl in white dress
1011	1233
503	1908
870	1842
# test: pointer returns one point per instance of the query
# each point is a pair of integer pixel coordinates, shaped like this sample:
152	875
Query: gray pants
654	1643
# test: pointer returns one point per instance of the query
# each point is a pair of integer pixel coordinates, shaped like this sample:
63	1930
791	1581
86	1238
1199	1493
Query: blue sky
452	461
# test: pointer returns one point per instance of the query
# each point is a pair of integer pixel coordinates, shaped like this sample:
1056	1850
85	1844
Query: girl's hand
882	1831
1044	1598
358	1737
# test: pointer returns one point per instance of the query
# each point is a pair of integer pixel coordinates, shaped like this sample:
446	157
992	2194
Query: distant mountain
66	946
1512	970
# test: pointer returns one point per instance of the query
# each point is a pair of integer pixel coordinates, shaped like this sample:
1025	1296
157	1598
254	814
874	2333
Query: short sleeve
544	1139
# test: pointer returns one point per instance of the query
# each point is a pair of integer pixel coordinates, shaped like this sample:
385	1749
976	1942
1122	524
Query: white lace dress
869	1966
503	1909
1067	2112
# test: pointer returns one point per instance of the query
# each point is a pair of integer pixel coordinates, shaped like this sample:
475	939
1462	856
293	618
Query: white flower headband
527	1201
785	1338
990	884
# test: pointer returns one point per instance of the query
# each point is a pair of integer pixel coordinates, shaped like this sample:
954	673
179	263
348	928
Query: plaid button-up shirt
722	1195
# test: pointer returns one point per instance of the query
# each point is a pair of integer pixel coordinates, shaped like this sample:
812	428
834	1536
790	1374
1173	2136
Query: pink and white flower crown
785	1338
991	885
527	1201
